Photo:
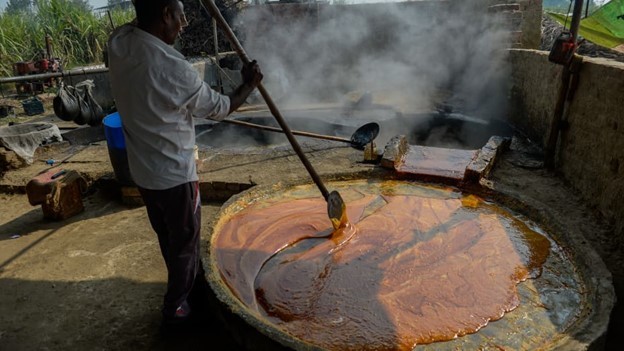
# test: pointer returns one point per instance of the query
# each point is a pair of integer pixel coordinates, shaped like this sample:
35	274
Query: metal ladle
359	139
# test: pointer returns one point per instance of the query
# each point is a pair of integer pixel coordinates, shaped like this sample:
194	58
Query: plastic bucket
117	148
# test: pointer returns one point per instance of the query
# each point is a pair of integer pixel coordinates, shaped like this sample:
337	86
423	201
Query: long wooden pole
216	14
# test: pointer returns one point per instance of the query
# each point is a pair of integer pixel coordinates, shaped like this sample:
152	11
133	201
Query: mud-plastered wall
590	153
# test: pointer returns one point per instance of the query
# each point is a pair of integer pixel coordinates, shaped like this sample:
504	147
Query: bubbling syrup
415	270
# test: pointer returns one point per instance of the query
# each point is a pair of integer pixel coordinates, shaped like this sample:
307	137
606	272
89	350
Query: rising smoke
407	55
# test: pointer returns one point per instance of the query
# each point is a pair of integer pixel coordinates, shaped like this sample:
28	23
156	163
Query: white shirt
157	93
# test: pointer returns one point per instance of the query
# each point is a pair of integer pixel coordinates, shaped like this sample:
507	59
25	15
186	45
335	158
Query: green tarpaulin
604	27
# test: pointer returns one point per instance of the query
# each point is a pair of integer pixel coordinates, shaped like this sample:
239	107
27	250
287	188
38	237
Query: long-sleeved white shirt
157	93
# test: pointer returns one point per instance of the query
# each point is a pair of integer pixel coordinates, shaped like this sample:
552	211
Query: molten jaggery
419	269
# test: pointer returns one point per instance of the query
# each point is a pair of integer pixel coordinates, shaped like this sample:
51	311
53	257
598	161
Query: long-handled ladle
359	139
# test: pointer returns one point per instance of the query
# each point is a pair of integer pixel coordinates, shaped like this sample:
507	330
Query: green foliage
78	34
563	6
19	6
82	4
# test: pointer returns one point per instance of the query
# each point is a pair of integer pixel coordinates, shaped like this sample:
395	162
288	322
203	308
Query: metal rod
576	18
553	136
71	73
110	18
215	42
48	43
295	132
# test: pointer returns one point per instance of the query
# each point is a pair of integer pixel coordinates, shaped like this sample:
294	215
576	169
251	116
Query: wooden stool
58	191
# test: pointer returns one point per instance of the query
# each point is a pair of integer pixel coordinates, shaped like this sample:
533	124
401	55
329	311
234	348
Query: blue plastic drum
113	131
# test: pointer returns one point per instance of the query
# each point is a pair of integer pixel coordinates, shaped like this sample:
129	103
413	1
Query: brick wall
524	20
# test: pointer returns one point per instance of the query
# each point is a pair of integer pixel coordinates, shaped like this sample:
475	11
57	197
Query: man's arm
251	79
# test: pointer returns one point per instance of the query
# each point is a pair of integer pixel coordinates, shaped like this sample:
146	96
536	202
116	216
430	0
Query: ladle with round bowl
363	136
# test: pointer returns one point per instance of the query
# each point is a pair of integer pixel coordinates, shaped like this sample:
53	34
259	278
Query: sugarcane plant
78	34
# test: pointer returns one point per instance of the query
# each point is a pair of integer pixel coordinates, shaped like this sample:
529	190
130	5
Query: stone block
58	191
394	151
481	165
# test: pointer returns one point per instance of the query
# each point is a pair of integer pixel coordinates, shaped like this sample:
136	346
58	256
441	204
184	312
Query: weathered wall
591	151
531	25
523	19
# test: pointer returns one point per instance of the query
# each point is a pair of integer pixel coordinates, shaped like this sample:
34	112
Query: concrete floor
95	281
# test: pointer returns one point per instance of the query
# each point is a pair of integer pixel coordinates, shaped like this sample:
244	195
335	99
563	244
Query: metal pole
71	73
110	18
48	43
216	50
576	18
551	143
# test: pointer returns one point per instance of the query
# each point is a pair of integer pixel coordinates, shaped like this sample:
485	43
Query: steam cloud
407	55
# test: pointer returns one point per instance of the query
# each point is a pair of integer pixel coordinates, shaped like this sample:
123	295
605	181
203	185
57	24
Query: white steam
407	55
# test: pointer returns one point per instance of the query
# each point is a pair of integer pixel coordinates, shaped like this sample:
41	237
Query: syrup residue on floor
418	269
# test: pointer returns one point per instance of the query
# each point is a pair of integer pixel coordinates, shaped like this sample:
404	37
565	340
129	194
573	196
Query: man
157	93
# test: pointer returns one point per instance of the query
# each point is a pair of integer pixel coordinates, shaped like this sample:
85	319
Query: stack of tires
77	104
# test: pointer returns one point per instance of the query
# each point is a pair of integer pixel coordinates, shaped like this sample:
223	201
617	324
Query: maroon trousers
175	216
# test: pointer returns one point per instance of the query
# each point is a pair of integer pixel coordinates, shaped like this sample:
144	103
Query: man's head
162	18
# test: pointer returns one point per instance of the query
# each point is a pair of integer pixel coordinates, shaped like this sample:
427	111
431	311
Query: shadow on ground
111	314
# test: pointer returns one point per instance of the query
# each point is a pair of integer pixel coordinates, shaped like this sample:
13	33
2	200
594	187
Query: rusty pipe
71	73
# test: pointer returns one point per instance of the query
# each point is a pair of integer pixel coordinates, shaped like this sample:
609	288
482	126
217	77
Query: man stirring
157	93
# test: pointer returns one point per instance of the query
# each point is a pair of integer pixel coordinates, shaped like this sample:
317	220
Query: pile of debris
197	39
551	30
8	107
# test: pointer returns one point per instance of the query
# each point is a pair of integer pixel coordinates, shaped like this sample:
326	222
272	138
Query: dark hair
150	11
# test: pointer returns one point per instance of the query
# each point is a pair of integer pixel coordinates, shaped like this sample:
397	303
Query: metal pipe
550	150
71	73
295	132
110	18
576	18
48	43
215	42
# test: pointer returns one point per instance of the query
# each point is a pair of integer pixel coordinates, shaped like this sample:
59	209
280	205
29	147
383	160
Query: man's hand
251	73
251	79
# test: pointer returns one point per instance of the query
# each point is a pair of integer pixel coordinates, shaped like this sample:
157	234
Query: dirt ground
92	282
95	281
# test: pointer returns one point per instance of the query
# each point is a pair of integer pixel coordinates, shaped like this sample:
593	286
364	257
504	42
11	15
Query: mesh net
25	138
